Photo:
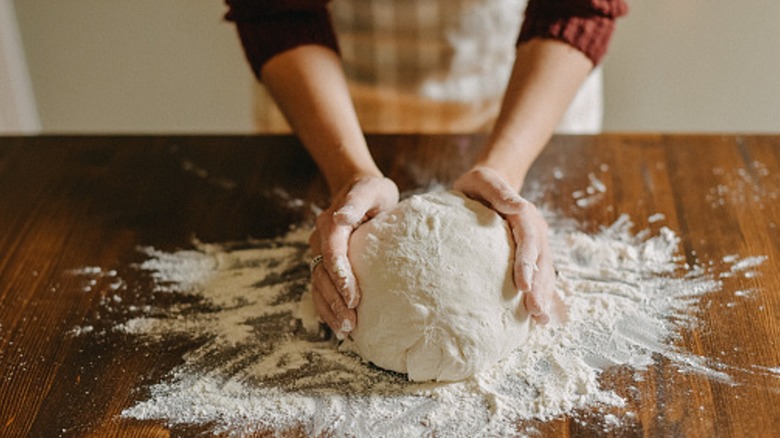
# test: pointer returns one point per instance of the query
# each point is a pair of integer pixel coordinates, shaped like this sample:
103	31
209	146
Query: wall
695	65
176	66
18	114
135	66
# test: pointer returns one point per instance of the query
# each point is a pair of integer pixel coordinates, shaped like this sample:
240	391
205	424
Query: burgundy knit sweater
269	27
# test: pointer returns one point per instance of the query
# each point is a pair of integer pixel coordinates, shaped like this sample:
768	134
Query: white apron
432	66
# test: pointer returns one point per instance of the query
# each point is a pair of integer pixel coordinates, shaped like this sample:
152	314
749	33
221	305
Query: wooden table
70	202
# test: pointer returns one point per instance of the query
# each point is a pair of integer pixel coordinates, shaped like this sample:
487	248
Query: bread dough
438	299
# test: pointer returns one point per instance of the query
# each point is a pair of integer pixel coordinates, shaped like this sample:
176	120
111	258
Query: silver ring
316	260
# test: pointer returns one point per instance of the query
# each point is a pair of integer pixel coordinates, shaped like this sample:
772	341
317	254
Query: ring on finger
316	260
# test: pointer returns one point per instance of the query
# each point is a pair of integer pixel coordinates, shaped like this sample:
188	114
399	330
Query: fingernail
346	326
352	298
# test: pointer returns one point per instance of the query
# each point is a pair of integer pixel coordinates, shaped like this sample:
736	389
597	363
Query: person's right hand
334	287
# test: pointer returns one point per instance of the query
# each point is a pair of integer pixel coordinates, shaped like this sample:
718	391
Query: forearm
545	78
309	86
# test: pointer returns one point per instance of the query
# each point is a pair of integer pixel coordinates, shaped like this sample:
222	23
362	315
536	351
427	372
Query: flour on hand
438	298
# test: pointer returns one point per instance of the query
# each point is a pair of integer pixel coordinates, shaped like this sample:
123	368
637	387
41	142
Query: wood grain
69	202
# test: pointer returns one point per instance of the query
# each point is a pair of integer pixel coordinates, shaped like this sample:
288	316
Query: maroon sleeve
587	25
269	27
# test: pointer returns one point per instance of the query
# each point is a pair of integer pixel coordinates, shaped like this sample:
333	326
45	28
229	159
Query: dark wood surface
70	202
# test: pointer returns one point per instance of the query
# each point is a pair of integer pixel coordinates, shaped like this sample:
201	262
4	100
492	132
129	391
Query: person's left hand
533	268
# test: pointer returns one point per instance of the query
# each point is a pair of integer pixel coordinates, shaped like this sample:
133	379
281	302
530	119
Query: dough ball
438	302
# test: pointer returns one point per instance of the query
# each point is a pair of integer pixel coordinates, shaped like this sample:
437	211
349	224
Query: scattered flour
93	274
755	184
592	194
82	330
747	263
629	295
742	266
193	168
656	218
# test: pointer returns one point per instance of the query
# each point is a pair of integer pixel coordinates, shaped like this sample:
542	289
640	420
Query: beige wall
695	65
175	66
135	66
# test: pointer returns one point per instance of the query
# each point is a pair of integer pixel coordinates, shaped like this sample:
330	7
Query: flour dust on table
630	296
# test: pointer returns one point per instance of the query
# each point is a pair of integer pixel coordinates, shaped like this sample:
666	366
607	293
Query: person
293	50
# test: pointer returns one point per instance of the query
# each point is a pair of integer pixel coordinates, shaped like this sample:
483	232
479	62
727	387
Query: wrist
509	162
346	176
343	162
512	175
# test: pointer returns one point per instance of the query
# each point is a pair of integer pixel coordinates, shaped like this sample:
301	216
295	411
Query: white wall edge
18	112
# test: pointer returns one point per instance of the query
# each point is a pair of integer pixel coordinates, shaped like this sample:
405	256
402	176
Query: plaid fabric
430	66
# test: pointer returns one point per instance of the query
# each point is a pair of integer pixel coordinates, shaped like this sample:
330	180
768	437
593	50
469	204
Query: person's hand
334	288
533	268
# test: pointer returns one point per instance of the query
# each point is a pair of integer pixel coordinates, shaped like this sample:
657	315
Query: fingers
534	308
328	301
527	250
330	305
332	241
334	246
540	284
539	300
533	269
